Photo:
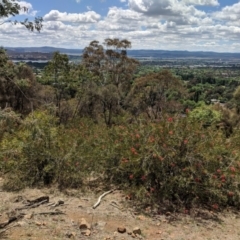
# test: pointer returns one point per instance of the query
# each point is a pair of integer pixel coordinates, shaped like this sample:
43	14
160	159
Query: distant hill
133	53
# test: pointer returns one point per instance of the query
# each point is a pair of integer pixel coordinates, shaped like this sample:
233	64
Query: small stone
137	230
84	224
28	216
141	217
22	223
70	234
87	232
38	223
121	229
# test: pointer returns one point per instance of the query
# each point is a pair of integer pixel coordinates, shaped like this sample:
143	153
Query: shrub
174	161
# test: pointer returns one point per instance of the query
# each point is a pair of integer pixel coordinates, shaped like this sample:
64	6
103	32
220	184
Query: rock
70	235
137	230
84	224
85	227
38	223
87	232
28	216
121	229
22	223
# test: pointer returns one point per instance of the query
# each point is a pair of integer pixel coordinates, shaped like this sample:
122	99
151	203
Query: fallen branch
60	202
100	198
33	205
50	213
38	200
11	219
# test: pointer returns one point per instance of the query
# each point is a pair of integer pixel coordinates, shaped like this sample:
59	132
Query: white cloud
202	2
88	17
229	13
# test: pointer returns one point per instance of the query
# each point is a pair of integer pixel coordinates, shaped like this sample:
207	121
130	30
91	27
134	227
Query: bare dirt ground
61	216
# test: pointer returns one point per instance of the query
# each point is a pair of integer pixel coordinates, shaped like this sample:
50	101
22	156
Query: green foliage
17	85
154	94
205	114
9	8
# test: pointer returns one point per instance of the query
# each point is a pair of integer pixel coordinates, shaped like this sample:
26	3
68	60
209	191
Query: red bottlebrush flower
223	177
232	169
152	189
137	135
214	176
124	160
143	178
219	171
215	206
197	180
134	151
151	139
170	119
230	194
186	211
131	176
160	158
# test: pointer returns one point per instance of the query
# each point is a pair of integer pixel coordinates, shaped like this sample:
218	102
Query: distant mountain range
133	53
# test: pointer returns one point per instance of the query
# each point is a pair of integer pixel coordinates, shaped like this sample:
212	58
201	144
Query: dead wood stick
100	198
33	205
12	219
50	213
37	200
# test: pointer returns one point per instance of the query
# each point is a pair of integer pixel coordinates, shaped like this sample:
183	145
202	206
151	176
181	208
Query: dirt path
104	221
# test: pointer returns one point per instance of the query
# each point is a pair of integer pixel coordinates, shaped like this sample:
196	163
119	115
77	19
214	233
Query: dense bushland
97	120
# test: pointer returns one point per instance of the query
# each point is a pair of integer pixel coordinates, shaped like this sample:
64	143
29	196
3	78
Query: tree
56	74
17	85
154	94
112	65
114	70
11	8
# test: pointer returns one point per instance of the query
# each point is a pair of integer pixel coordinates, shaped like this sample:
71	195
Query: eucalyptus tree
17	85
112	64
11	8
154	94
115	70
56	74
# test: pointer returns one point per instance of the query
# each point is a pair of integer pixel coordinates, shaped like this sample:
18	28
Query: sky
193	25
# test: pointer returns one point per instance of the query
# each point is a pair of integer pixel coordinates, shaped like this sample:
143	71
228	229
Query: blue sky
202	25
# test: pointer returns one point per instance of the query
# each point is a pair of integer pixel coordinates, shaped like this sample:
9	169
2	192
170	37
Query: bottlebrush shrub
175	160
